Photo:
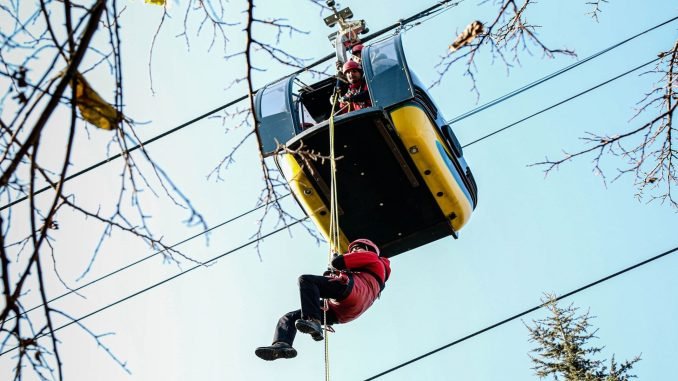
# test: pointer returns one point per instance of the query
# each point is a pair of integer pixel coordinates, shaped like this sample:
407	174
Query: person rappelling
350	287
355	279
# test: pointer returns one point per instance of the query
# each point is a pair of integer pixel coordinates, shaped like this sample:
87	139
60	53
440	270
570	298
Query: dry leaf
472	31
93	108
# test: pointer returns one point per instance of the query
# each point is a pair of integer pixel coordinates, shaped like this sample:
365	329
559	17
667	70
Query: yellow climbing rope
334	205
334	228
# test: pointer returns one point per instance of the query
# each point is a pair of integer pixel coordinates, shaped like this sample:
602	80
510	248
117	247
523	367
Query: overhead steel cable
553	75
561	102
319	61
399	24
421	14
75	290
235	101
469	144
208	262
466	145
528	311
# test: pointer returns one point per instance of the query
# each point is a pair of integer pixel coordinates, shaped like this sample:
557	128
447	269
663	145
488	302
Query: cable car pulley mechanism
348	30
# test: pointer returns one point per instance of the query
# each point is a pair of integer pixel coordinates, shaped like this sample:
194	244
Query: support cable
319	61
229	104
561	102
166	280
75	290
397	25
466	145
528	311
553	75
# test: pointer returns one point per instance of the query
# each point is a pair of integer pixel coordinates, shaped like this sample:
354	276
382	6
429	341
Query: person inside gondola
354	282
356	55
357	96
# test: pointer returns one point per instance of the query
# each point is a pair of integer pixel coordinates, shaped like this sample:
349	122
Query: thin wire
540	112
514	317
431	15
239	99
471	143
560	103
208	262
323	59
553	75
334	241
419	15
213	111
75	290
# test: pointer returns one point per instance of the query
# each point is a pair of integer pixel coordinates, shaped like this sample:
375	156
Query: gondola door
275	117
386	72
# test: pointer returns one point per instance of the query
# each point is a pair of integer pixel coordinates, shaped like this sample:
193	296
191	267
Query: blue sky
528	235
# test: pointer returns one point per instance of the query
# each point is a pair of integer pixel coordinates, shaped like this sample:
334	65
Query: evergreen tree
563	350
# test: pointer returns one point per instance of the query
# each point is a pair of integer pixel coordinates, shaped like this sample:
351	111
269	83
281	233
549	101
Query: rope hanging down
334	223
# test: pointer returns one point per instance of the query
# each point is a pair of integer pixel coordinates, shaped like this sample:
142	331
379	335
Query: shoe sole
270	354
317	337
304	328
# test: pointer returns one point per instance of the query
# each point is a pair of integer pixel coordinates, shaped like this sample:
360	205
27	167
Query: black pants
312	289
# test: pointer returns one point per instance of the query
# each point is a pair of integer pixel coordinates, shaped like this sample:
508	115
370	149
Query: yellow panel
309	199
419	135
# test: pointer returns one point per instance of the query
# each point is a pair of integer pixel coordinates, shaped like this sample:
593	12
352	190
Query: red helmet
351	65
357	49
364	242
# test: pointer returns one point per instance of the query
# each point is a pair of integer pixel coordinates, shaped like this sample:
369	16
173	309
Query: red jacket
369	274
359	95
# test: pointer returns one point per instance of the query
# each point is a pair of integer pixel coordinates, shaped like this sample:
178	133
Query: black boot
310	326
276	351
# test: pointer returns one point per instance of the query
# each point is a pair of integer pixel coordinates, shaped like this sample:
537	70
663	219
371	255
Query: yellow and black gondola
402	178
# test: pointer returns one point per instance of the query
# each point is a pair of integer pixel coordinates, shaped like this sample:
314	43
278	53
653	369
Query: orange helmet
357	49
364	242
351	65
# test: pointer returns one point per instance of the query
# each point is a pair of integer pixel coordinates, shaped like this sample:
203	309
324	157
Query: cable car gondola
402	178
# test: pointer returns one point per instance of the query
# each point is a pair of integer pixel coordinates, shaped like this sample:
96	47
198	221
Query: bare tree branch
44	46
651	150
595	8
508	35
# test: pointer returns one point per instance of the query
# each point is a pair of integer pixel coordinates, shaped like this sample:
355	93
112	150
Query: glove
346	99
330	269
339	100
342	278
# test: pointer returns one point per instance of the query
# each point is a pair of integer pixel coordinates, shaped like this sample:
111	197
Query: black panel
316	98
378	199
